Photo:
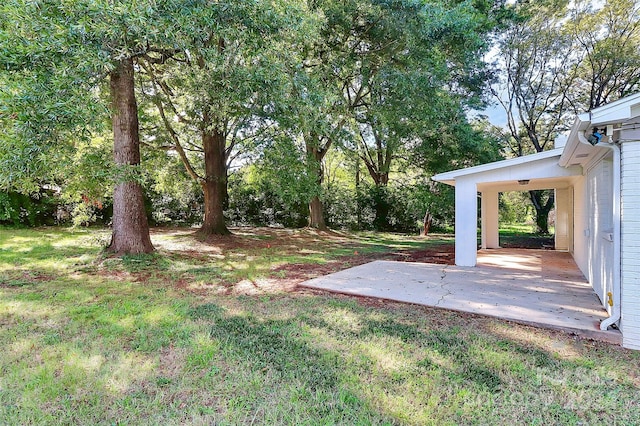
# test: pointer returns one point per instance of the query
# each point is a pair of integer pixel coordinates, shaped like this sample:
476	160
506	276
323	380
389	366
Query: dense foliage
254	112
289	112
28	210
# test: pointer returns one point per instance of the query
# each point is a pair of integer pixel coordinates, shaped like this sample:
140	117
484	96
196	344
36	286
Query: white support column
466	223
489	220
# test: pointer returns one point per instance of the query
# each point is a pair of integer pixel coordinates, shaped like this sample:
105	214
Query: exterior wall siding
630	261
599	228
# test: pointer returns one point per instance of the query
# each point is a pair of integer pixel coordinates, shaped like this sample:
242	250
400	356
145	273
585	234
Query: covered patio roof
531	172
535	171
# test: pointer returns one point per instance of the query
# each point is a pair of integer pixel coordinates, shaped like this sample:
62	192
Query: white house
597	193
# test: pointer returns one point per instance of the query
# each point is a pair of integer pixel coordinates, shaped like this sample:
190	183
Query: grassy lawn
524	236
217	333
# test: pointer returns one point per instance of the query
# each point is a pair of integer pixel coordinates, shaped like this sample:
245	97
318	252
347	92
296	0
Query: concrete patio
537	287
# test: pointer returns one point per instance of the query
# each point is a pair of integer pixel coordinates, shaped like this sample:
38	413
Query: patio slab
537	287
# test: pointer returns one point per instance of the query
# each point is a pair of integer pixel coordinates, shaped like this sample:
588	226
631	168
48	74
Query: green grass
520	229
524	236
90	339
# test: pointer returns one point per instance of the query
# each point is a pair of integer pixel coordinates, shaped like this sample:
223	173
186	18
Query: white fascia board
450	177
615	112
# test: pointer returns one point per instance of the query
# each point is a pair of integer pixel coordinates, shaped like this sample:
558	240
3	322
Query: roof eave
449	178
581	124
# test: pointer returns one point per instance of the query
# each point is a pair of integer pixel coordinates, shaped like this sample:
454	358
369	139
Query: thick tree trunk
316	215
130	232
542	209
215	183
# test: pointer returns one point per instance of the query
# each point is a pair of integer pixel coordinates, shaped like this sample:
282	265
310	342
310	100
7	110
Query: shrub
38	209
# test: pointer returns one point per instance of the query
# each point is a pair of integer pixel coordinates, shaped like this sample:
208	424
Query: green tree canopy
56	58
212	98
370	81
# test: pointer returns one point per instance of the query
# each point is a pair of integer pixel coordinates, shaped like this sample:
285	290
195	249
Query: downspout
615	297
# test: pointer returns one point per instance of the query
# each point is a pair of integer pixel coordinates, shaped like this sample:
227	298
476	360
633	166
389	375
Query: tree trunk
358	195
316	216
130	234
381	207
428	219
215	184
542	208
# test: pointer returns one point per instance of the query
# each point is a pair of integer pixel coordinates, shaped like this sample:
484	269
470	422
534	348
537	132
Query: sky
497	115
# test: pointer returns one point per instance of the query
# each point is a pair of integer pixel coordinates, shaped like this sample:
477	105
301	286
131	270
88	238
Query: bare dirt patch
247	238
290	250
442	254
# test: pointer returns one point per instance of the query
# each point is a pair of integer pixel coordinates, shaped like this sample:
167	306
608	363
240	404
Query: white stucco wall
630	268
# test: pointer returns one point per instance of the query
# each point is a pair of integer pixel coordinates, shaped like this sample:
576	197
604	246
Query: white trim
615	112
450	177
612	113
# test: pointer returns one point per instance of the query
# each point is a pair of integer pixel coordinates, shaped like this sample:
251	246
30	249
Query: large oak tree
57	57
211	98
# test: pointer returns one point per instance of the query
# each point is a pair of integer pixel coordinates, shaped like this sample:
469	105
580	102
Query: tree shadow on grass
289	366
271	345
274	345
446	343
